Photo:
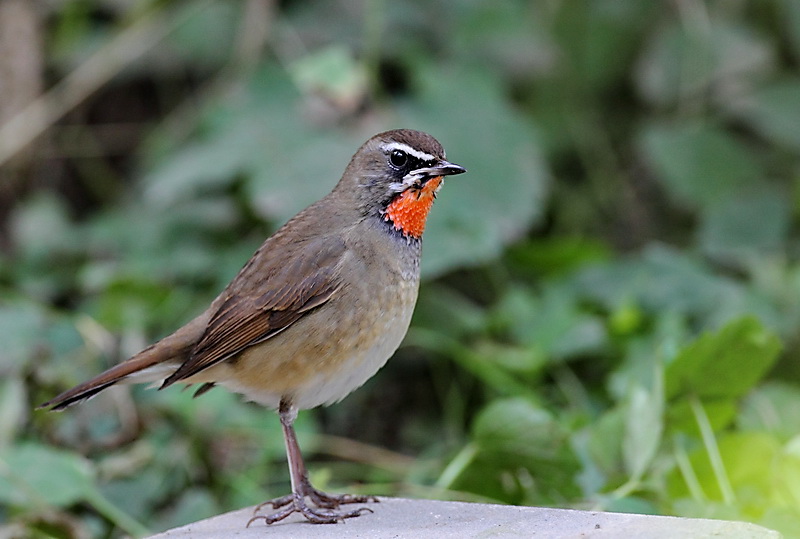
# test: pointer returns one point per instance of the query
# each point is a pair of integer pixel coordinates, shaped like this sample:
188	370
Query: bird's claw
296	503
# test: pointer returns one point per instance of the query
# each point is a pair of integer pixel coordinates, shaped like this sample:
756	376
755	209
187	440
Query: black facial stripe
412	163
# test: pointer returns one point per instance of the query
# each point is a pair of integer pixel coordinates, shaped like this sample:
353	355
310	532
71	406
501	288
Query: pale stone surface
400	518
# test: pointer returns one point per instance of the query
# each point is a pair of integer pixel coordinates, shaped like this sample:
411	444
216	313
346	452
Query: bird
315	312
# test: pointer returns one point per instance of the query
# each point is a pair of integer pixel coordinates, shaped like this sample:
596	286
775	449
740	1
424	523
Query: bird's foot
319	498
296	503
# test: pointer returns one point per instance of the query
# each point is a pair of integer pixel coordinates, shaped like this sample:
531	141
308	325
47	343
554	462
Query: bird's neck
408	211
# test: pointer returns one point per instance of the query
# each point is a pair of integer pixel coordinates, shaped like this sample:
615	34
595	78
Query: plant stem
710	443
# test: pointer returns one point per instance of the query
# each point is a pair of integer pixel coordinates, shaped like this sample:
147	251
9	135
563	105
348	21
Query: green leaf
21	325
761	474
724	364
599	39
41	226
603	442
659	279
203	166
503	36
555	256
518	359
206	36
472	360
682	64
447	312
665	281
785	520
287	162
752	223
790	17
681	419
772	407
14	404
553	324
644	424
35	474
632	504
138	492
333	73
646	354
518	427
774	111
699	164
523	454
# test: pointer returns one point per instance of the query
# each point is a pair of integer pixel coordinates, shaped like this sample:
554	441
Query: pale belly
327	354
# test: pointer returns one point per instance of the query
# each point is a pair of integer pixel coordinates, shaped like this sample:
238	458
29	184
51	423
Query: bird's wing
263	300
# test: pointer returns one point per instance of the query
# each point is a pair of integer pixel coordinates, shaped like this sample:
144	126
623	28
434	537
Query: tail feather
155	361
67	399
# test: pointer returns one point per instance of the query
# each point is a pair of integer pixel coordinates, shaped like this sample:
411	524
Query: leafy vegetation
610	314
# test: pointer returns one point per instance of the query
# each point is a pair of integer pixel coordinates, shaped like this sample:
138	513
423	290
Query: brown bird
316	311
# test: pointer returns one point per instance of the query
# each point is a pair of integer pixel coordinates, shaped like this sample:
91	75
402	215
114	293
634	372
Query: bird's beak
442	168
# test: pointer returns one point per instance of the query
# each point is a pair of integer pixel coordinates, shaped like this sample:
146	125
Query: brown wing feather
263	301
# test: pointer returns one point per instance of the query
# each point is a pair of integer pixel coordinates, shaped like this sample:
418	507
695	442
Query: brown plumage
317	310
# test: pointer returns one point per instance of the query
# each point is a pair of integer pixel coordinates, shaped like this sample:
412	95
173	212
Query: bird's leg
300	481
301	486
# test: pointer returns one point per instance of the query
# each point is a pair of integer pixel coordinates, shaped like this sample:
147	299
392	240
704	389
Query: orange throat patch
409	209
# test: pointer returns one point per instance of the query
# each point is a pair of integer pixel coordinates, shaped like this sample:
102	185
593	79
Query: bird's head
396	175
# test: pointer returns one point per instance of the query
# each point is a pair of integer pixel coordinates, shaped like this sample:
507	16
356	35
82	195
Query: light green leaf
724	364
756	468
681	419
333	73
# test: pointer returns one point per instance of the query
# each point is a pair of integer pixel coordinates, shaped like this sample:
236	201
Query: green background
611	307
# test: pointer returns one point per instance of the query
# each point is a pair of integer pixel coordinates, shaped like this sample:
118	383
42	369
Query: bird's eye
398	158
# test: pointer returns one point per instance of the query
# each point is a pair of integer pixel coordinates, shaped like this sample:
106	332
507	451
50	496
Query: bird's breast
338	346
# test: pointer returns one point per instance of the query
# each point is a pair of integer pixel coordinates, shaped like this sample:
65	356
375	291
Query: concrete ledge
397	517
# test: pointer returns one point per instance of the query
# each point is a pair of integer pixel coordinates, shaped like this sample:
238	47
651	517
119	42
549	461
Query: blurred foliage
610	314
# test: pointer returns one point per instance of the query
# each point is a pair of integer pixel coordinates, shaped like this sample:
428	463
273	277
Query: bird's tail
152	364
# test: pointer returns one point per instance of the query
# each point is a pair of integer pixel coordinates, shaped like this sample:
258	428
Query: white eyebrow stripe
391	146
